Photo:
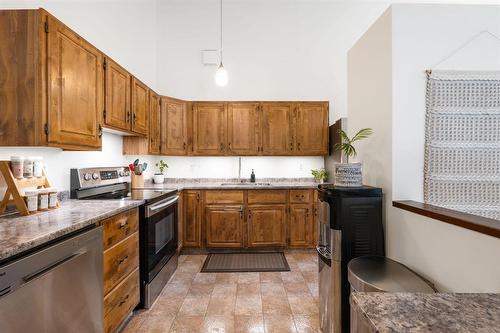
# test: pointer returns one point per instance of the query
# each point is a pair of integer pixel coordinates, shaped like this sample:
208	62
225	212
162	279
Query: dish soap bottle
252	177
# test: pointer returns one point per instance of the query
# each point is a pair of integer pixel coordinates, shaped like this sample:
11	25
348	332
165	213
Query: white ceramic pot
348	174
158	178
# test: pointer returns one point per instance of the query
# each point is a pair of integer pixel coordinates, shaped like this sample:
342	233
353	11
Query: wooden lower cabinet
224	226
300	225
191	222
266	225
121	267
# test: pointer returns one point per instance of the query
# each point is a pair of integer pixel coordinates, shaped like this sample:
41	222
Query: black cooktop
150	195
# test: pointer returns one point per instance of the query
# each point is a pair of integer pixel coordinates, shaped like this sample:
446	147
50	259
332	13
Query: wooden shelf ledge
480	224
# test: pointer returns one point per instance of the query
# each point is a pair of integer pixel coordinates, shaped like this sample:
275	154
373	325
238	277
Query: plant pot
158	178
348	174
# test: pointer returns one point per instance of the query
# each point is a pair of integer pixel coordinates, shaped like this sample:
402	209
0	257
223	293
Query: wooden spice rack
15	188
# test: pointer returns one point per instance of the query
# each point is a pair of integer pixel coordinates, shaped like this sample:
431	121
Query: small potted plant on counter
159	178
350	174
320	175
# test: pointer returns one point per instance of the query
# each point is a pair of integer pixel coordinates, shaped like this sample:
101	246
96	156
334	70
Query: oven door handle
153	209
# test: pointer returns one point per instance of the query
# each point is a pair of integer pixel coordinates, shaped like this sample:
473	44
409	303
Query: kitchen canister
17	166
31	199
52	197
43	199
28	167
37	166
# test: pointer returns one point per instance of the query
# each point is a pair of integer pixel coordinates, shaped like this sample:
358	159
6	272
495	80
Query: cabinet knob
122	260
123	225
123	300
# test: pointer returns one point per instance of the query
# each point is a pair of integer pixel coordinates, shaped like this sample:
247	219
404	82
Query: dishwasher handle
52	266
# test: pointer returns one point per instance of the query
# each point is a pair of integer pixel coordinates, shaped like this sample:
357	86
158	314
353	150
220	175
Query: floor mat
246	262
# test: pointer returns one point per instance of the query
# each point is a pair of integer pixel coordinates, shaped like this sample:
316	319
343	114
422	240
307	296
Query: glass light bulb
221	77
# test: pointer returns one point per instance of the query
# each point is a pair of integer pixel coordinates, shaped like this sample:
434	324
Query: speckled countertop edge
432	312
215	184
19	234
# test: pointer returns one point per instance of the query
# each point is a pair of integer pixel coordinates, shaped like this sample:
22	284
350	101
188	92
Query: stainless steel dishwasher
58	288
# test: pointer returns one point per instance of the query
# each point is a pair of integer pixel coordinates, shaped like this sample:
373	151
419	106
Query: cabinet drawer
119	227
266	197
121	301
120	260
223	197
300	196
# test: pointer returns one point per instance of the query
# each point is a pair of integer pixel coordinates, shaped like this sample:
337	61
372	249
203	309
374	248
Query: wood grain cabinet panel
219	197
174	127
119	227
120	260
208	128
121	301
224	226
300	225
154	123
277	138
267	197
243	128
266	225
118	82
311	128
192	219
140	107
76	86
301	196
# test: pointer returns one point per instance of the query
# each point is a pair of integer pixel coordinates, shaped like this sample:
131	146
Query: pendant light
221	77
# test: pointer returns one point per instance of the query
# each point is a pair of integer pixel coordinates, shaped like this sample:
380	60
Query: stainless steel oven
158	249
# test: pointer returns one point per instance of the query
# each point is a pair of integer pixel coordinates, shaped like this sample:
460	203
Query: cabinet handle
127	119
298	145
152	140
307	212
221	146
100	130
229	145
249	214
134	118
122	260
123	300
198	196
291	145
123	225
184	146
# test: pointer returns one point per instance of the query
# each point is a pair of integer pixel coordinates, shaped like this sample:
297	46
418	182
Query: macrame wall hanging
462	141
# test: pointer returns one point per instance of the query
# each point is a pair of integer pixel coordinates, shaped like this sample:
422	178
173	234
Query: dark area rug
245	262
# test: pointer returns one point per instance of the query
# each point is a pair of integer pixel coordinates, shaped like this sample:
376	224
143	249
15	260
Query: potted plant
350	174
159	178
320	175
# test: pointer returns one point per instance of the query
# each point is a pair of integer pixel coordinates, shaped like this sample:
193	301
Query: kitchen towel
462	141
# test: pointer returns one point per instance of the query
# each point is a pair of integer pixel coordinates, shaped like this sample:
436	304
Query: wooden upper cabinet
75	88
118	82
224	226
243	128
208	128
266	225
311	128
154	123
140	107
277	136
174	127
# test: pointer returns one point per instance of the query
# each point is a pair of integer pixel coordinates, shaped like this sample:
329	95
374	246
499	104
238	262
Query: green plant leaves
346	146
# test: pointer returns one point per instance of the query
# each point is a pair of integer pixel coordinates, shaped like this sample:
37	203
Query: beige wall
386	91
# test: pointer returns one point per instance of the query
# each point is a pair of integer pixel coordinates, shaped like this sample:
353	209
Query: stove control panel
92	177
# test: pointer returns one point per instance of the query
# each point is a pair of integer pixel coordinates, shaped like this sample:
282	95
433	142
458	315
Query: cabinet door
154	123
117	96
277	136
76	87
192	219
311	128
208	128
174	127
224	226
243	129
140	107
266	225
300	225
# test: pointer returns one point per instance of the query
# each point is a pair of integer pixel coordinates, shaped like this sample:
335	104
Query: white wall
454	258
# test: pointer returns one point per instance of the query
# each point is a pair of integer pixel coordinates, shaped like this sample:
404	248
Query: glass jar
37	166
52	197
17	166
28	167
43	199
31	199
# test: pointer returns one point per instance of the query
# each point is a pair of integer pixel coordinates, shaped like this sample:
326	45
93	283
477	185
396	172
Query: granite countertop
437	312
21	233
233	184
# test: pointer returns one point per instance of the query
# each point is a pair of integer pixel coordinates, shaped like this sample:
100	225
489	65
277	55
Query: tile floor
235	302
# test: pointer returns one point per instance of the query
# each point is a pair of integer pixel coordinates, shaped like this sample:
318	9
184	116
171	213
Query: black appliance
350	225
158	222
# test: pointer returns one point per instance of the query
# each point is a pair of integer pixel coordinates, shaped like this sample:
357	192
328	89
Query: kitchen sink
245	184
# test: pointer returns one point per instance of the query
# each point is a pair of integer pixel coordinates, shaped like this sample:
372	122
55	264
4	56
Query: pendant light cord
221	32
